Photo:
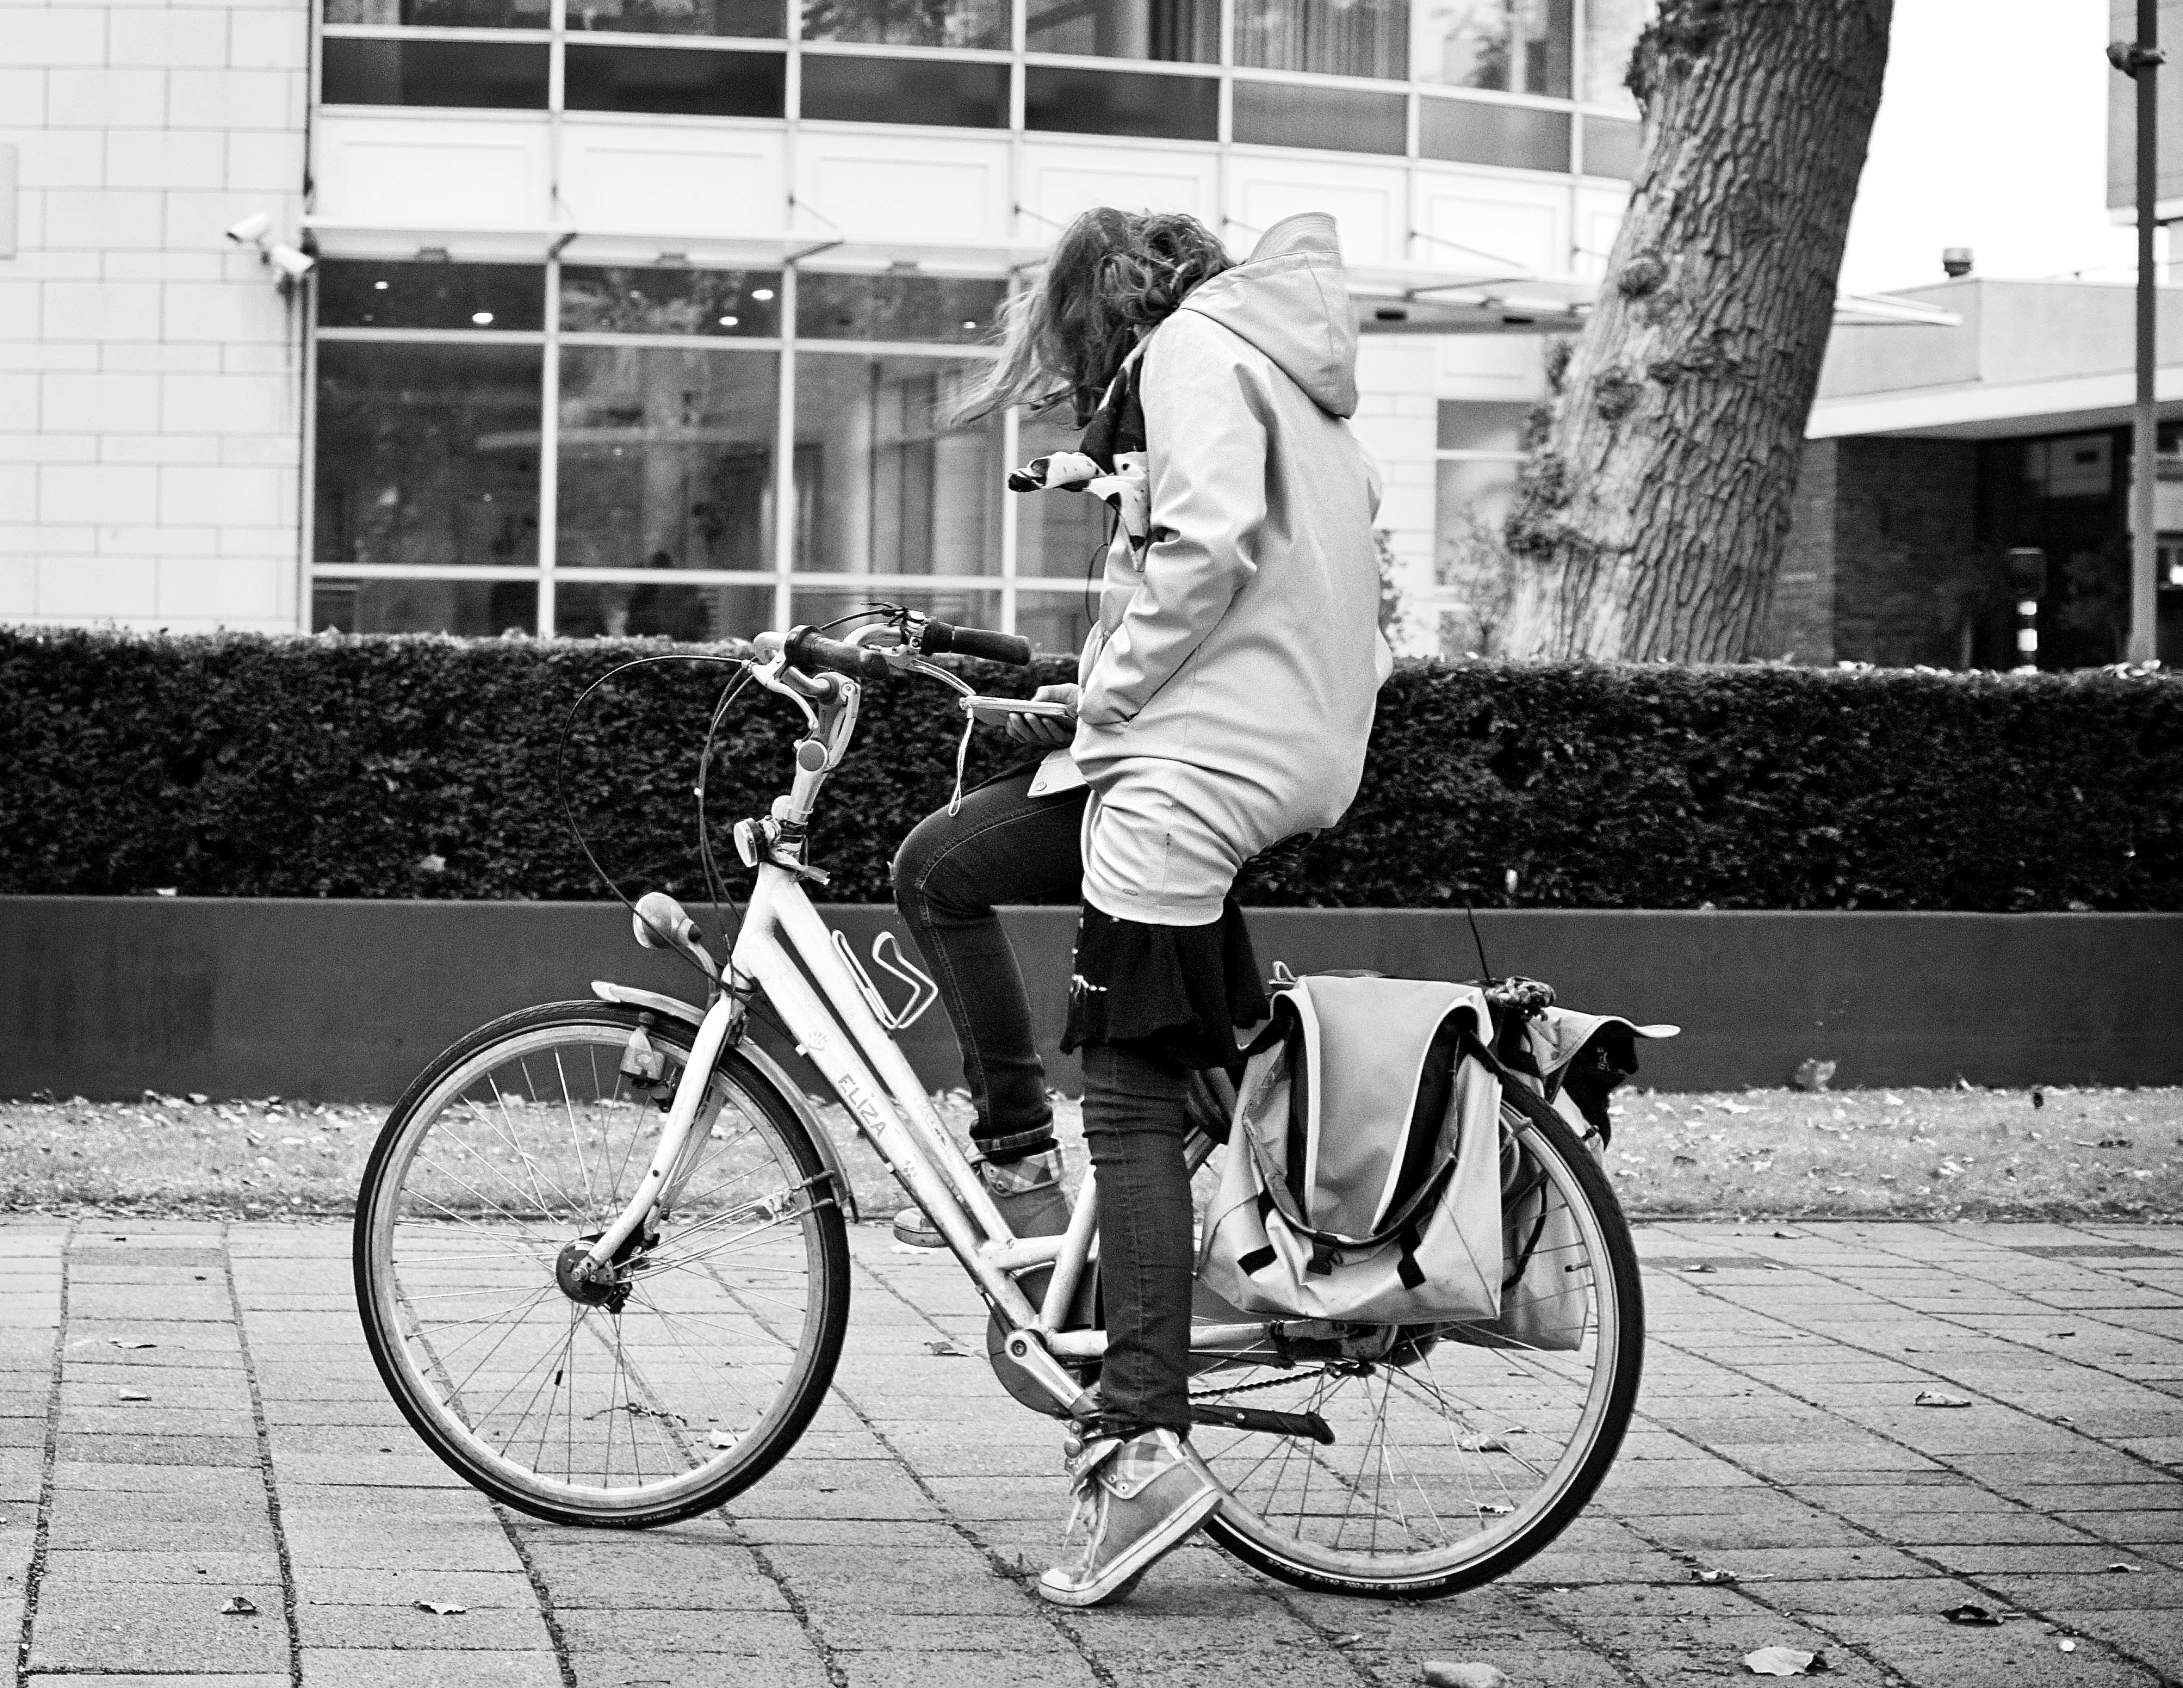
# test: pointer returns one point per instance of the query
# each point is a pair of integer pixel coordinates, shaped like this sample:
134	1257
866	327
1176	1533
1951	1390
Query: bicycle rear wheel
1460	1449
627	1404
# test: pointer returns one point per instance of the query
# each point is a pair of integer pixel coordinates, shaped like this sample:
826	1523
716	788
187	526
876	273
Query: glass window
1611	28
2075	466
1482	425
1281	114
493	74
883	484
1331	37
1516	46
723	303
965	606
1182	30
909	23
1472	502
1059	535
369	293
840	89
444	14
767	18
1613	148
472	608
674	79
667	457
427	454
1055	622
931	310
1111	102
1475	132
589	609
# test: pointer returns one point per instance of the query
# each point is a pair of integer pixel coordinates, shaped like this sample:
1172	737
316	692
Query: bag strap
1526	1101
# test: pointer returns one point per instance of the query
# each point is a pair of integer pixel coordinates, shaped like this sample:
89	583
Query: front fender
690	1015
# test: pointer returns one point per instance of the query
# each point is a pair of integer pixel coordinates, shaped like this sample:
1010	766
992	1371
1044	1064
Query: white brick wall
151	374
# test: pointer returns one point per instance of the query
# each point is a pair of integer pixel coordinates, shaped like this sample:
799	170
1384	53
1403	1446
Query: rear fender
690	1015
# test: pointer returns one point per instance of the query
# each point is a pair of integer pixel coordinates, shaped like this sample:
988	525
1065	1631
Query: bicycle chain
1270	1383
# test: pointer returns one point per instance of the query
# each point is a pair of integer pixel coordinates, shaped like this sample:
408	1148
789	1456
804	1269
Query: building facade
1936	449
643	315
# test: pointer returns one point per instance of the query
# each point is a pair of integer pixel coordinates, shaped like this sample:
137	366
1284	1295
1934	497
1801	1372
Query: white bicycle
601	1259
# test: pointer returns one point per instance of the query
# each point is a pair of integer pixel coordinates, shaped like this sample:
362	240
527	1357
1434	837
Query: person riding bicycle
1223	702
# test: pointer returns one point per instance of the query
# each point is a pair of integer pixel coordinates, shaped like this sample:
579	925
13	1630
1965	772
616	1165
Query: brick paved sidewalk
1779	1440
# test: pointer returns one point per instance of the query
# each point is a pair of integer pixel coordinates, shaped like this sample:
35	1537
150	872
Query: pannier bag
1573	1061
1363	1174
1367	1179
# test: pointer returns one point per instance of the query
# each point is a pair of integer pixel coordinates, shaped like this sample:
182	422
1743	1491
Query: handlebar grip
809	650
937	638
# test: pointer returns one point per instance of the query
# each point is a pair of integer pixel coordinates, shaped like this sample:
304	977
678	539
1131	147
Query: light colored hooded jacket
1228	688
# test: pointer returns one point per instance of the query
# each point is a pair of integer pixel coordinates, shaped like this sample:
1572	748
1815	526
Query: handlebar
938	638
810	650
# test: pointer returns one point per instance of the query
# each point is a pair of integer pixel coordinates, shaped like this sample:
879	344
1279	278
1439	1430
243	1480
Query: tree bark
1652	512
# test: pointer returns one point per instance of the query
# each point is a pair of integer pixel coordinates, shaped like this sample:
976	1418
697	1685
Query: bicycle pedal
913	1228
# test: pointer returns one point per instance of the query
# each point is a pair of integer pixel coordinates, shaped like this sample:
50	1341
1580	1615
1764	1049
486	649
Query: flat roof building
633	315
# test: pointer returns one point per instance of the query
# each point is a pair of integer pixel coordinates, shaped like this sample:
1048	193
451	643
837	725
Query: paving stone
1926	1650
1054	1667
113	1566
85	1626
405	1627
749	1634
343	1667
662	1669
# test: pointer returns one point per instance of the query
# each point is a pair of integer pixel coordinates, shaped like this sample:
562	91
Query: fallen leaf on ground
1733	1107
718	1439
1697	1266
1494	1509
2067	1646
439	1608
1482	1445
119	1343
1934	1398
1784	1661
1452	1673
1976	1616
1349	1640
238	1607
1716	1576
946	1350
2118	1565
132	1395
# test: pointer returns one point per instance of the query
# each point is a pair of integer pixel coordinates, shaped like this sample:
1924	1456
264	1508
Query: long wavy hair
1112	276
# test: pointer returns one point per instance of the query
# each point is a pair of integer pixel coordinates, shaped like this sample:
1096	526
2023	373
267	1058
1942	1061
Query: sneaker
1028	1192
1142	1498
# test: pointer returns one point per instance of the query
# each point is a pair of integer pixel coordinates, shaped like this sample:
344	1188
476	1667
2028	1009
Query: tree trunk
1652	513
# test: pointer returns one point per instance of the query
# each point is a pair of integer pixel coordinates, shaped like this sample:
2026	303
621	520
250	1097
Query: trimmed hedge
396	767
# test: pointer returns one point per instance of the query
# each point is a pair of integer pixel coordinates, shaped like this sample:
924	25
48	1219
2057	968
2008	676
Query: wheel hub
608	1288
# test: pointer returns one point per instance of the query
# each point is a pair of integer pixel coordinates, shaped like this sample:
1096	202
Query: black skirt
1178	991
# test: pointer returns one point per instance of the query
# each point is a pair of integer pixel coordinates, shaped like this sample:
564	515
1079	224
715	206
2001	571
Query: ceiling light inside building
969	324
379	286
727	322
761	293
483	319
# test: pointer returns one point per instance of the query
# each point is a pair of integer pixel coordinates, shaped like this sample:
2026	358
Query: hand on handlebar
1050	731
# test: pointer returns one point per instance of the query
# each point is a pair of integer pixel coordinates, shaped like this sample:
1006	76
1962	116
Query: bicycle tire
1532	1521
723	1336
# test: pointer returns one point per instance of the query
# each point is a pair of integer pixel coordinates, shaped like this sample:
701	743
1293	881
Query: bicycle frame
825	1010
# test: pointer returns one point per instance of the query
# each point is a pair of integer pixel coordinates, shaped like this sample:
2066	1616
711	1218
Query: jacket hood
1290	299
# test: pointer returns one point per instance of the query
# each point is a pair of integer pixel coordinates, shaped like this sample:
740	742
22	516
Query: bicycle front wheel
1459	1449
632	1402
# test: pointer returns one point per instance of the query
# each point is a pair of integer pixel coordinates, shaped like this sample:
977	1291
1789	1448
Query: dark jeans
1006	846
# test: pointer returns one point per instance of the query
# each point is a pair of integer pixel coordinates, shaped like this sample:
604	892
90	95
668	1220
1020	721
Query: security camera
251	231
291	263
